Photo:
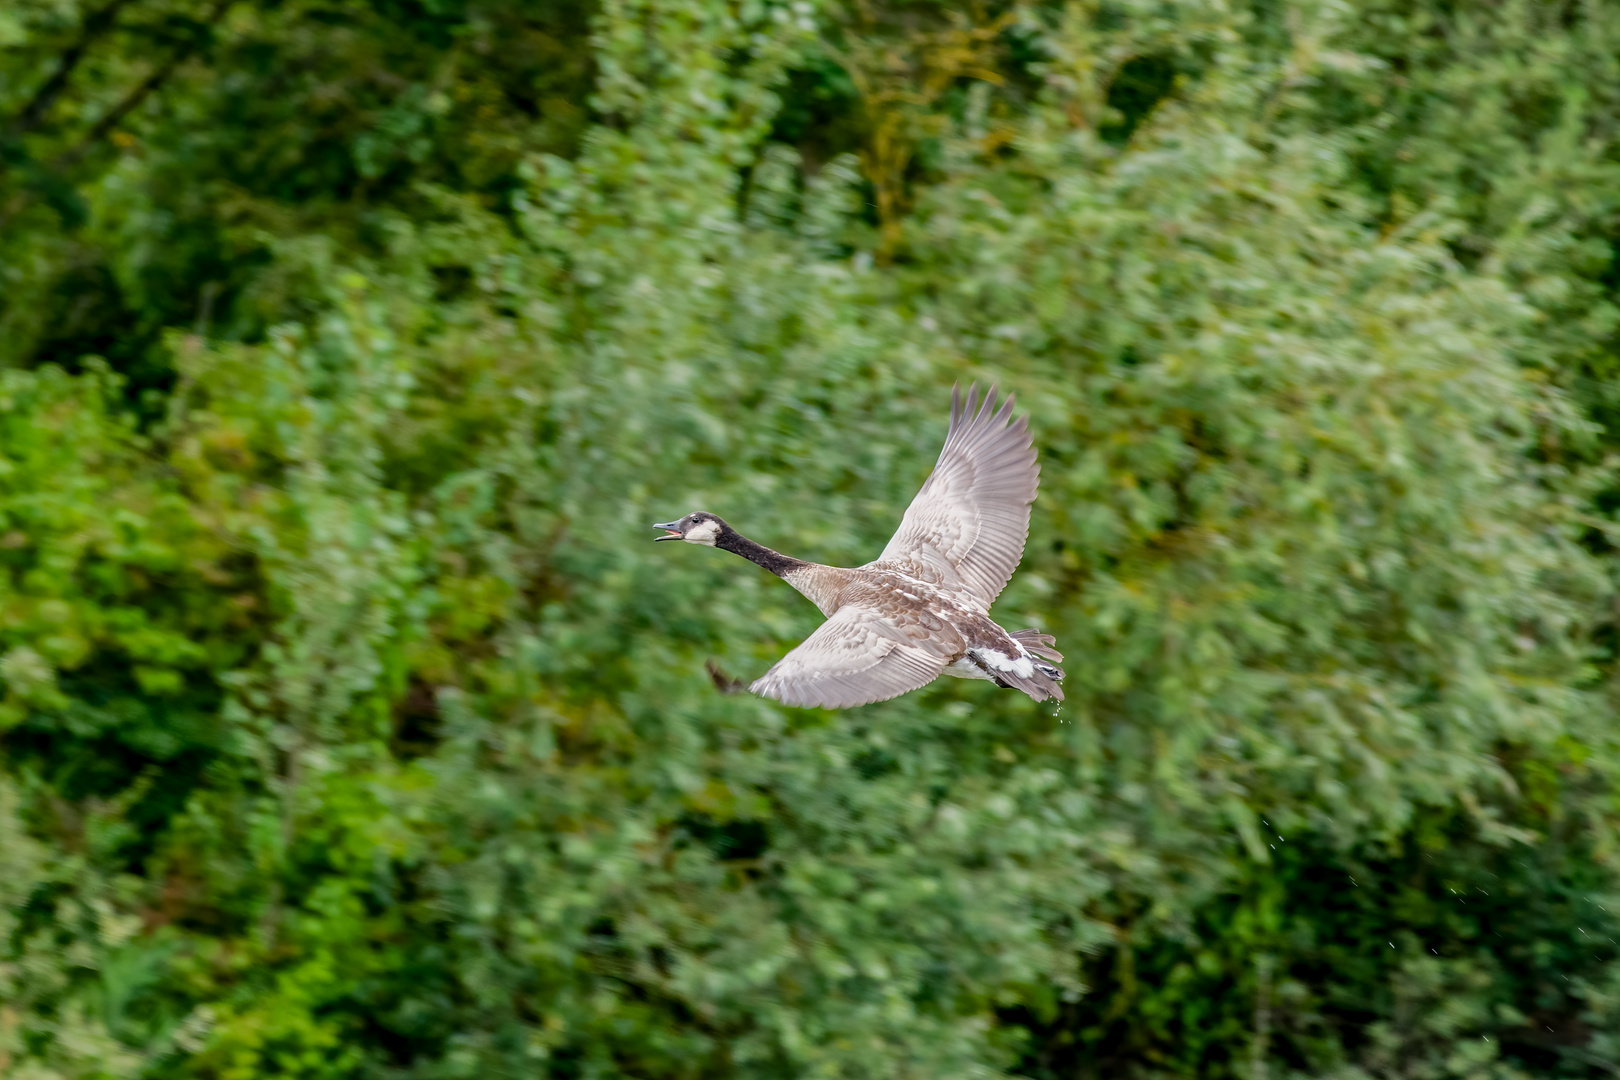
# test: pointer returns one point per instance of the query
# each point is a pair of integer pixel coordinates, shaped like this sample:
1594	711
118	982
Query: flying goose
923	608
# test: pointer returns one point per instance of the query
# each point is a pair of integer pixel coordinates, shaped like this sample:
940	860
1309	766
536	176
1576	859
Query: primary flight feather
921	610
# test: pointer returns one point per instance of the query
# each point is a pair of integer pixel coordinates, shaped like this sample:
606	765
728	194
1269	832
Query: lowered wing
856	657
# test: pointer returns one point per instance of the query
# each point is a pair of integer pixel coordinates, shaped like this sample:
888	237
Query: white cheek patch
704	532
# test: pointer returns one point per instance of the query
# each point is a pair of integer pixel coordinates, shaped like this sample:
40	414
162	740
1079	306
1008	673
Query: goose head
695	528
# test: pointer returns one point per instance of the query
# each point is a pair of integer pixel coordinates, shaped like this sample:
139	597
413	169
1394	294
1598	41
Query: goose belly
973	665
964	668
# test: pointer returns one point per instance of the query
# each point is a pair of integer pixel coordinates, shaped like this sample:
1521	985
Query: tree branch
116	115
98	23
140	92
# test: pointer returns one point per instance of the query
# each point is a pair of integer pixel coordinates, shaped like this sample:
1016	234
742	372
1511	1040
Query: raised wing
972	514
856	657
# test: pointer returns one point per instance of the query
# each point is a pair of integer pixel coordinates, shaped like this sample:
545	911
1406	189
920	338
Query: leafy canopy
351	727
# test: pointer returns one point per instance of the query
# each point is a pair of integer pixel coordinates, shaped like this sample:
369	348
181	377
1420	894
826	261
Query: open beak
673	534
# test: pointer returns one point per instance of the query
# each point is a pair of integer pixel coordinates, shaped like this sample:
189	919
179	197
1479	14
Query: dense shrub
352	727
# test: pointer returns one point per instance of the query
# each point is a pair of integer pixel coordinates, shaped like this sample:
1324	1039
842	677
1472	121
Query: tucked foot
723	682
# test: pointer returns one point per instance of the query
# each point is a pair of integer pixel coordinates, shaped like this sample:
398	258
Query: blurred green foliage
351	727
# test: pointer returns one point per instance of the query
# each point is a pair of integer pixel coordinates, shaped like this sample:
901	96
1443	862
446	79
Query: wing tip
988	409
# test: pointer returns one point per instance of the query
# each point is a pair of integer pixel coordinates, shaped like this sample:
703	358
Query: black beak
672	526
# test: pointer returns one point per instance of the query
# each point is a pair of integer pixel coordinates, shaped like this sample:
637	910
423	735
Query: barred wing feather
856	657
971	517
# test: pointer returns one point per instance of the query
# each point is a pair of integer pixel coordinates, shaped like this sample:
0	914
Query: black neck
733	541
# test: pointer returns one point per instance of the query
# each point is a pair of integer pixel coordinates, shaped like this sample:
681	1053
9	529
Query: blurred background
353	727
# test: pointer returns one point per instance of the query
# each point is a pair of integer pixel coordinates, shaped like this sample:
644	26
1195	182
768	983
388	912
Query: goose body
922	608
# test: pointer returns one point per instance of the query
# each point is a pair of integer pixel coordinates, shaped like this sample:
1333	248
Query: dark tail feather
1043	683
1038	643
